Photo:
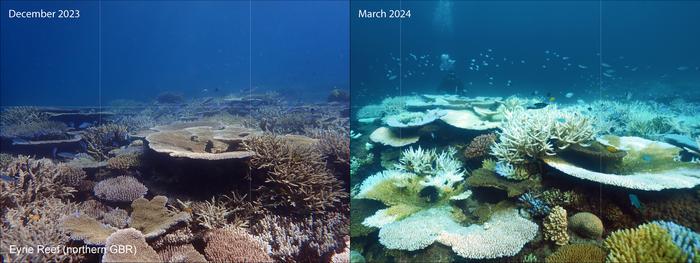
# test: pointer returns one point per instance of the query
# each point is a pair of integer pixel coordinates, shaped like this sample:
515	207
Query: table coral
153	218
132	238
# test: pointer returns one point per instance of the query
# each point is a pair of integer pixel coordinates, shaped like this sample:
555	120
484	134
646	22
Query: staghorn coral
440	170
22	115
489	164
334	144
101	139
342	257
302	239
555	226
129	238
235	245
180	253
649	242
227	211
30	180
587	225
153	218
556	197
576	253
480	146
124	161
296	176
32	224
529	134
535	205
177	237
120	189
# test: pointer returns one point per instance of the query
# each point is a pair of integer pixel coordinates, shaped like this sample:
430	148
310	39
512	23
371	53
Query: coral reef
303	238
124	162
234	245
530	134
587	225
87	229
101	139
296	176
29	180
152	217
132	238
480	146
484	178
555	226
578	253
120	189
180	253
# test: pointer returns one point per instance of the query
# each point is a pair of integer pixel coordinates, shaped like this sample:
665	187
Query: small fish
552	99
84	125
607	75
66	155
682	68
605	65
205	90
392	77
635	201
569	95
561	120
536	106
647	158
564	58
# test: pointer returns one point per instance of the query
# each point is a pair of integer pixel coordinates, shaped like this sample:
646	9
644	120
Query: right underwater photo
525	131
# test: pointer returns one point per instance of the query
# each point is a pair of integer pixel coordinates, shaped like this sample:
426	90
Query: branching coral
305	239
235	245
181	253
34	224
36	131
101	139
555	226
228	211
296	176
335	144
441	171
647	243
480	146
30	180
530	134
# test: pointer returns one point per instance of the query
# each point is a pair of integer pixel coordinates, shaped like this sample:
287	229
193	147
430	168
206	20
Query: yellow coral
555	226
646	243
578	253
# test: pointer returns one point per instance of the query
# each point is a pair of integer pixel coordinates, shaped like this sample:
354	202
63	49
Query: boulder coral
587	225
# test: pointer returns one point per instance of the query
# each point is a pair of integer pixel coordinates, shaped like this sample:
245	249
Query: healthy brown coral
480	146
587	225
181	253
153	218
133	239
578	253
124	162
30	180
120	189
296	176
234	245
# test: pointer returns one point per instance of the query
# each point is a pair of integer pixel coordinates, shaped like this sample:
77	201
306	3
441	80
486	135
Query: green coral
646	243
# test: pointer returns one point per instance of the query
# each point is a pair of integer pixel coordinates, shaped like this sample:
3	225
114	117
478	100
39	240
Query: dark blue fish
53	152
83	145
536	106
84	125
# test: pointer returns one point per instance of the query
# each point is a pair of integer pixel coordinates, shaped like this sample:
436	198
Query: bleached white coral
530	134
417	160
380	219
398	178
441	170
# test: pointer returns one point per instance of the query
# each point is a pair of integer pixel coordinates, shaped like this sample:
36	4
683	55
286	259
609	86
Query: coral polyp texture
653	242
120	189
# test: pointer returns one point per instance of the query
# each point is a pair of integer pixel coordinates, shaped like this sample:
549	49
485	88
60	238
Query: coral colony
177	180
451	178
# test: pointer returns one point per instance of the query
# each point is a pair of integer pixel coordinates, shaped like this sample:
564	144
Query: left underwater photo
174	131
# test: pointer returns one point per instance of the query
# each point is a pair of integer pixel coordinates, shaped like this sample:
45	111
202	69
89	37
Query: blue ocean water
136	50
647	48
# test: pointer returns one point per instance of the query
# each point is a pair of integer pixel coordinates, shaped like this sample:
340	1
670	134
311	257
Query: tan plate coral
648	165
203	142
